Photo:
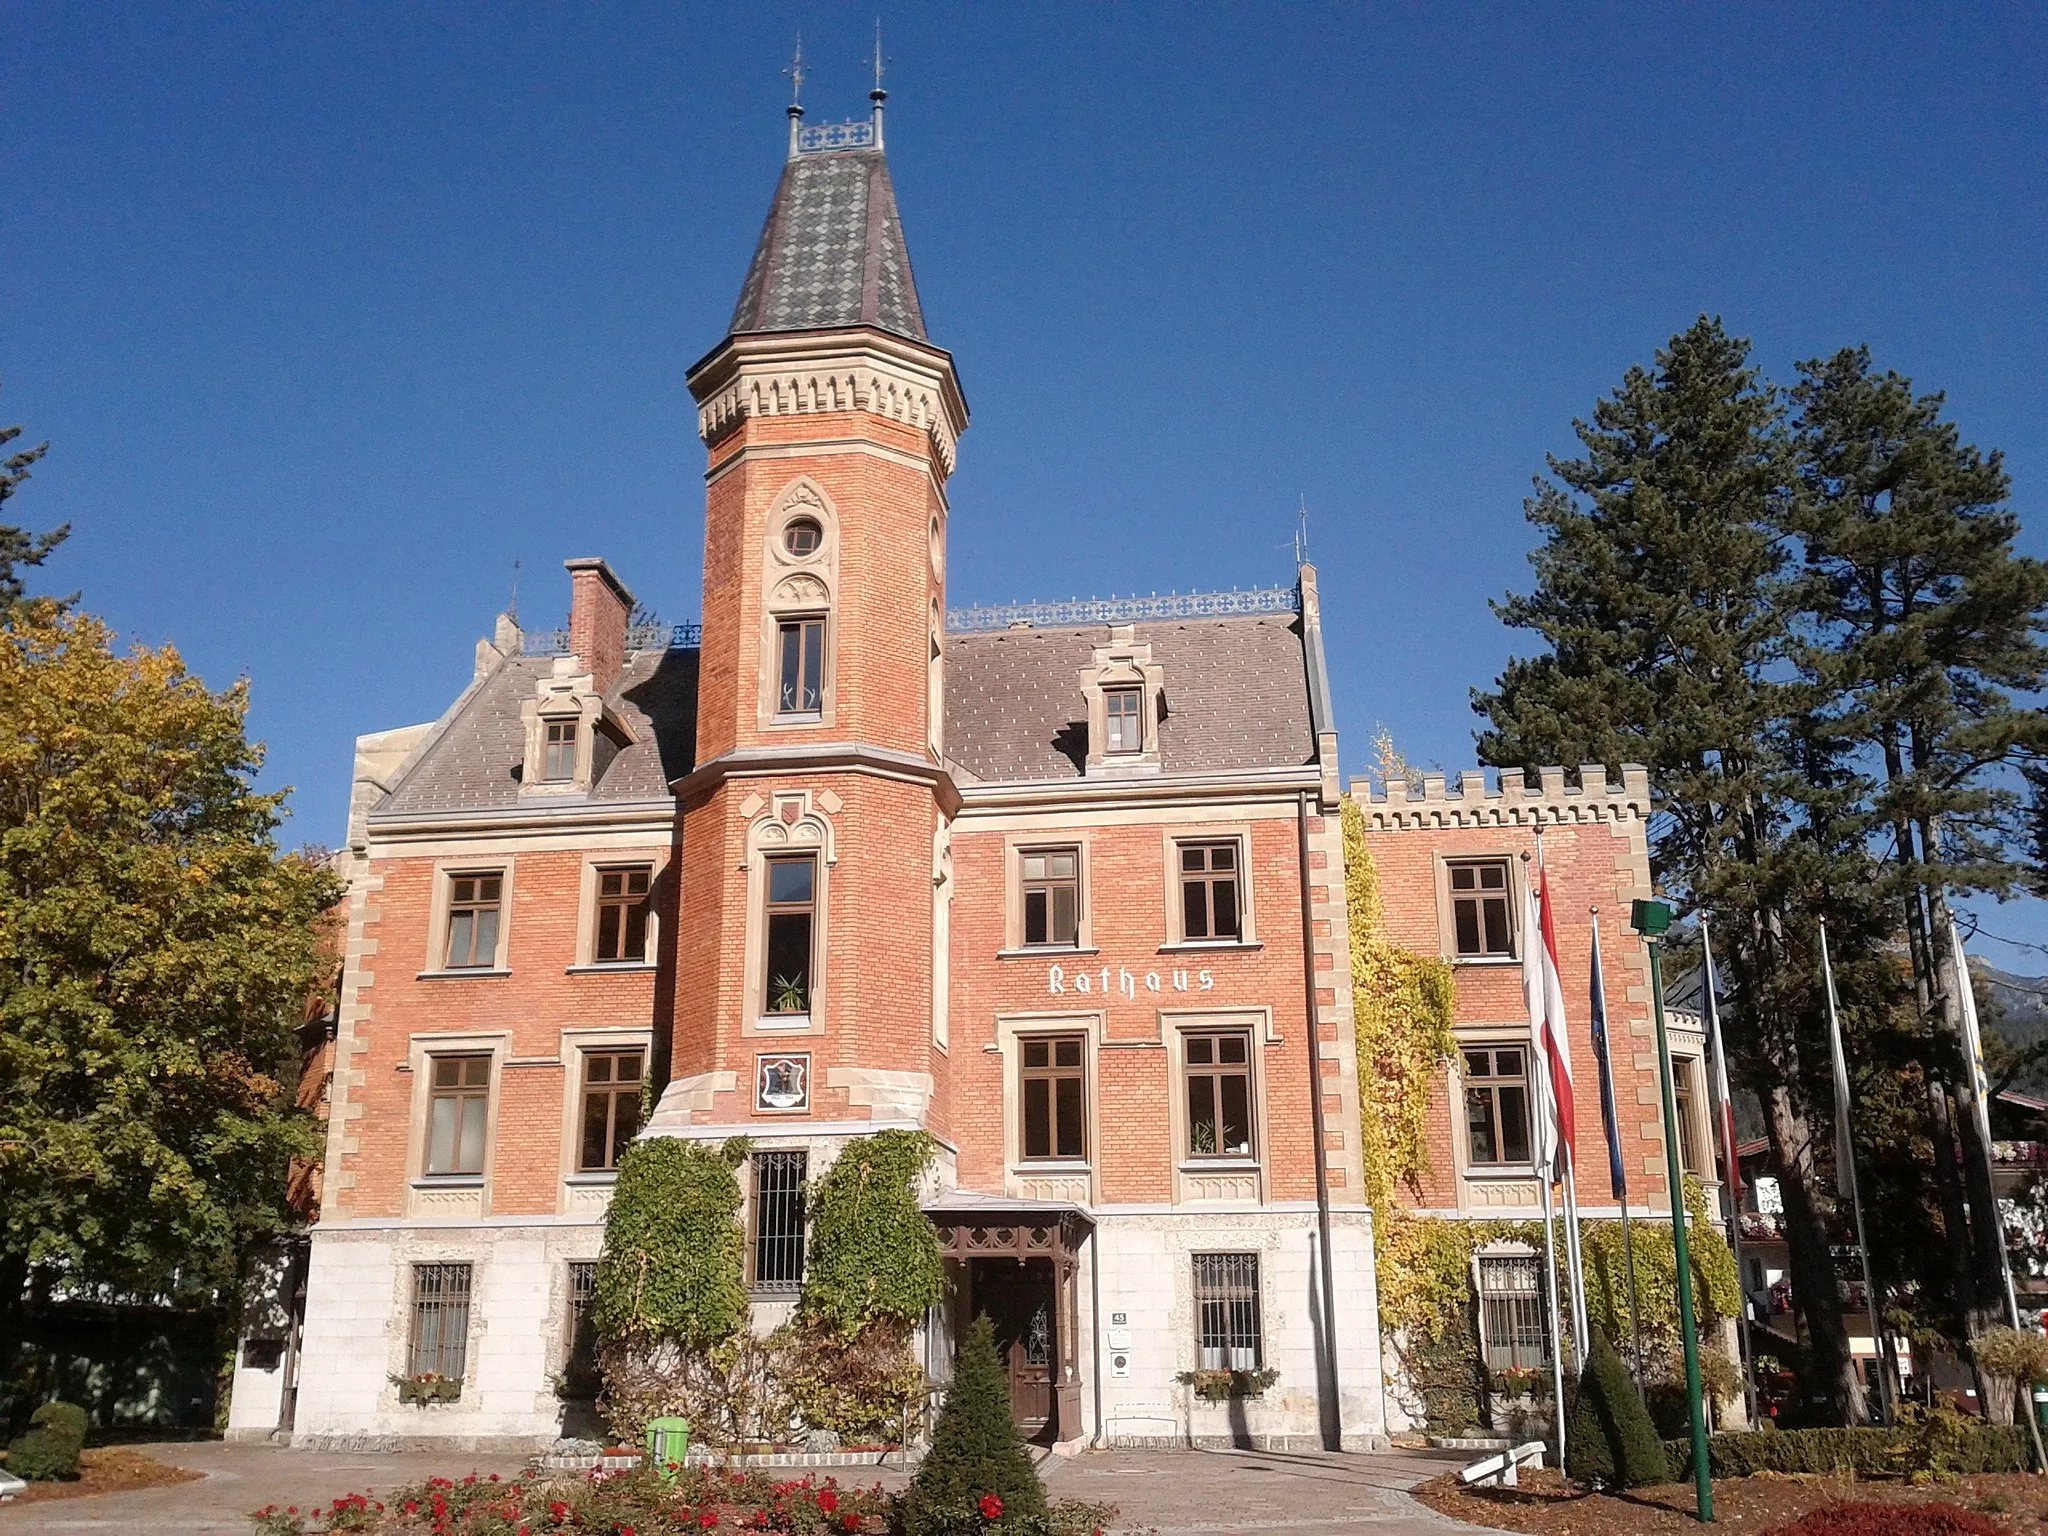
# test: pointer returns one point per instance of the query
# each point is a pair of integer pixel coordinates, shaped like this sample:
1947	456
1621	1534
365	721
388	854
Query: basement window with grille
1511	1329
440	1320
1227	1312
779	1220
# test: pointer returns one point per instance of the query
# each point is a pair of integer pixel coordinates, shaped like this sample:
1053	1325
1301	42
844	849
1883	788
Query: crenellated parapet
1508	801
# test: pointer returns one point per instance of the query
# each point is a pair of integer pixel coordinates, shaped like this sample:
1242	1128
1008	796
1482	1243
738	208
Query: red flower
828	1501
990	1506
849	1522
708	1519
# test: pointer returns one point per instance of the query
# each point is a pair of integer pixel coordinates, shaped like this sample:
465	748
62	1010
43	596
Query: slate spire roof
832	253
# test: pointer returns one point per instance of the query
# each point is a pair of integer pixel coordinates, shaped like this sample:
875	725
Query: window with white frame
1210	893
475	903
1053	1087
1218	1067
458	1114
1051	895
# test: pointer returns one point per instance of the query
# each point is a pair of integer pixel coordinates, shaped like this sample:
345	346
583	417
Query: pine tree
1660	593
1612	1443
1925	624
19	547
976	1450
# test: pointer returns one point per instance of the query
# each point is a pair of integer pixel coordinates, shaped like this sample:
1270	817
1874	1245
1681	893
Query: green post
1651	919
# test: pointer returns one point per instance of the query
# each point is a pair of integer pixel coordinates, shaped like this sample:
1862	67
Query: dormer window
1124	709
558	758
800	647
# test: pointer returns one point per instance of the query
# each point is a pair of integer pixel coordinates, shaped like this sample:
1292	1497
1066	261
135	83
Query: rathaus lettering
1059	983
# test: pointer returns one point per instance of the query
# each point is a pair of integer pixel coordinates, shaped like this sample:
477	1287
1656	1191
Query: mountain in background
2014	1009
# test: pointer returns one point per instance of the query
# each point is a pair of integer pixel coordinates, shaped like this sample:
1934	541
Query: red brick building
1061	885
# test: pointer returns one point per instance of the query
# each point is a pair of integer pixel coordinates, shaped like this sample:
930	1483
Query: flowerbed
669	1501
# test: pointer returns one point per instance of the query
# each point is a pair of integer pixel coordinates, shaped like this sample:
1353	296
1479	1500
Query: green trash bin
2041	1405
668	1442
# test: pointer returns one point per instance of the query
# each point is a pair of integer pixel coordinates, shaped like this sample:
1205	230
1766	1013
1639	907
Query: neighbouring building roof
472	764
1235	692
832	253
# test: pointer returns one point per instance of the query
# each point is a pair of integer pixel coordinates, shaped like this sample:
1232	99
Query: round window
803	536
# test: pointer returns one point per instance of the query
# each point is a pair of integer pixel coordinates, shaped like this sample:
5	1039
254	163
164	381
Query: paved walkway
1170	1492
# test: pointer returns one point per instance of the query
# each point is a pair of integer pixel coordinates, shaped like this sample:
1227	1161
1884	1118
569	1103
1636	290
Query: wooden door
1019	1301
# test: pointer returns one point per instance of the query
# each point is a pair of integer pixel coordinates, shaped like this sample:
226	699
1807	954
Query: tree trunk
1814	1287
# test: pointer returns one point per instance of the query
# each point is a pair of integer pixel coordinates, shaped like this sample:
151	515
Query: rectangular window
1497	1106
800	653
1219	1071
1227	1311
1511	1330
622	913
1208	891
558	762
473	902
1055	1097
779	1220
611	1107
1122	709
440	1320
1682	1080
792	906
458	1108
1480	918
1052	896
579	1370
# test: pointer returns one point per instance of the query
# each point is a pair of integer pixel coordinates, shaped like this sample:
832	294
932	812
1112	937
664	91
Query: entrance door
1018	1299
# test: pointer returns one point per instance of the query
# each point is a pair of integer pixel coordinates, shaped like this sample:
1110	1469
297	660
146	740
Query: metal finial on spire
878	95
1301	534
796	94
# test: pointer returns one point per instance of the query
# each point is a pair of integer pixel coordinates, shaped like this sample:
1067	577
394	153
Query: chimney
599	606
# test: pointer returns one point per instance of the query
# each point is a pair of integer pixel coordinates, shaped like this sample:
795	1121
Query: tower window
1122	708
802	536
558	762
800	654
792	907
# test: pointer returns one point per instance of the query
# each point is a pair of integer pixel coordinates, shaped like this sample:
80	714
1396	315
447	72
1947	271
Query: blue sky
331	313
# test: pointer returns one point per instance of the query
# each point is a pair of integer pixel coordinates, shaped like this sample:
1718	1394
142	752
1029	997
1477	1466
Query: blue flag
1616	1174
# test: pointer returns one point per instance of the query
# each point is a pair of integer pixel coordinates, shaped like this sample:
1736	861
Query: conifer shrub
976	1452
1612	1443
49	1451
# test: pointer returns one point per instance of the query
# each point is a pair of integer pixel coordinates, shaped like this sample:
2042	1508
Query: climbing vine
873	1252
671	1270
1402	1004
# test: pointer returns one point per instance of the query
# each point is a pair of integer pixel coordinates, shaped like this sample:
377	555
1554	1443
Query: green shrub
1612	1443
975	1452
66	1419
1965	1446
673	1258
871	1252
43	1455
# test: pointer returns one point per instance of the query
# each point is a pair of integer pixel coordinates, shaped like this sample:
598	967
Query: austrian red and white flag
1550	1107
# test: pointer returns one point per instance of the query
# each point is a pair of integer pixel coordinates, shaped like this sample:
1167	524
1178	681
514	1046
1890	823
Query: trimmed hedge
1869	1452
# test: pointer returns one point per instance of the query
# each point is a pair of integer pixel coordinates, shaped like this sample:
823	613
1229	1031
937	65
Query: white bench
10	1485
1505	1468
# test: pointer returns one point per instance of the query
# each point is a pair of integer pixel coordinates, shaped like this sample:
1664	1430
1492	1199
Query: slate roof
832	253
471	764
1236	695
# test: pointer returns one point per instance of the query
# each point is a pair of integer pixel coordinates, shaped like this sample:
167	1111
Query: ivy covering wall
673	1265
873	1252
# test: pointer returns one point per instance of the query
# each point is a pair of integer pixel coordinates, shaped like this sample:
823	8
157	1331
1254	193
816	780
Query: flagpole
1556	1339
1980	1097
1845	1159
1652	919
1732	1166
1617	1165
1557	1048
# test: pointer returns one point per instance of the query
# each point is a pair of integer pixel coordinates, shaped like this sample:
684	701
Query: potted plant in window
425	1388
787	994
